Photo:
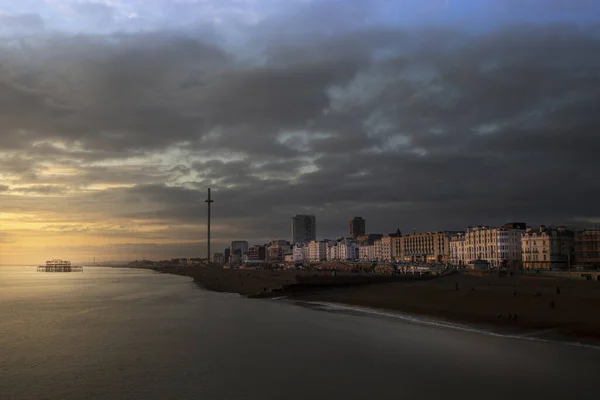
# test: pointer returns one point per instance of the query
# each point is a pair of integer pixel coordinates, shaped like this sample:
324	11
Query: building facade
257	253
382	249
366	252
386	249
587	247
347	250
457	249
304	228
300	252
238	251
426	247
277	250
239	247
547	248
397	253
377	250
317	251
333	251
500	246
357	227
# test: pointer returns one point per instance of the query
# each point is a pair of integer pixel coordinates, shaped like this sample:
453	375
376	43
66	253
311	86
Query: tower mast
208	201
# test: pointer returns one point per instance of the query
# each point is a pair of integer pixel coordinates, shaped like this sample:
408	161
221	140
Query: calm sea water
133	334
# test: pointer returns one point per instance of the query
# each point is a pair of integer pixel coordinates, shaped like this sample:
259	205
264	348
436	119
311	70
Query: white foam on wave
444	324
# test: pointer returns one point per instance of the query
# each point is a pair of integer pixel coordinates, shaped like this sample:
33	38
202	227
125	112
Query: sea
119	333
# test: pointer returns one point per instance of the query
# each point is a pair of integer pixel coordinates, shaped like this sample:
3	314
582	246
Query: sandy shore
528	303
560	307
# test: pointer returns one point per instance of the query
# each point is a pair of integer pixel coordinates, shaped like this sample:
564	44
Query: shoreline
420	319
563	309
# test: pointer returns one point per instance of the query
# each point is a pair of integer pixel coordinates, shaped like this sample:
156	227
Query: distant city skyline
117	116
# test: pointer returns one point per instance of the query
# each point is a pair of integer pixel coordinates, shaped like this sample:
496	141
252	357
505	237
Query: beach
556	307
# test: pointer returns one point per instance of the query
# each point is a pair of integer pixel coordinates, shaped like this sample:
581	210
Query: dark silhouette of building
304	228
587	247
257	253
357	227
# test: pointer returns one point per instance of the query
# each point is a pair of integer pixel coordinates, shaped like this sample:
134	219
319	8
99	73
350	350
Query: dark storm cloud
426	129
118	92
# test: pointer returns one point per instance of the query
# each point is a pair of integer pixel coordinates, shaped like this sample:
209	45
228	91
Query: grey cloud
101	14
429	129
20	24
40	189
118	93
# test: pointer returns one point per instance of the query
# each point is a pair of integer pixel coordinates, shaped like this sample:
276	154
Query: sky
117	115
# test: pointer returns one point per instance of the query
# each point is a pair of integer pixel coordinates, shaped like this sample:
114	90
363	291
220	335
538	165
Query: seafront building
390	247
257	254
498	246
382	249
396	250
332	251
457	249
304	228
300	252
348	250
377	250
426	247
344	249
238	252
366	252
587	247
277	250
547	248
239	247
317	251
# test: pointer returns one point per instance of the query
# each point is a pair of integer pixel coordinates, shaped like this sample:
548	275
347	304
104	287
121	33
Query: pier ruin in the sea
59	266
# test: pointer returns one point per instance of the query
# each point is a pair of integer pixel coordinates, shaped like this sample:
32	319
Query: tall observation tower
208	201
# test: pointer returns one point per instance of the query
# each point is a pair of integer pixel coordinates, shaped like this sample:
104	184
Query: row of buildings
511	245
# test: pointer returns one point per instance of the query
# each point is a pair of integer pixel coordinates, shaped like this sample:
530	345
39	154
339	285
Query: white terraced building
348	250
499	246
342	250
333	251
